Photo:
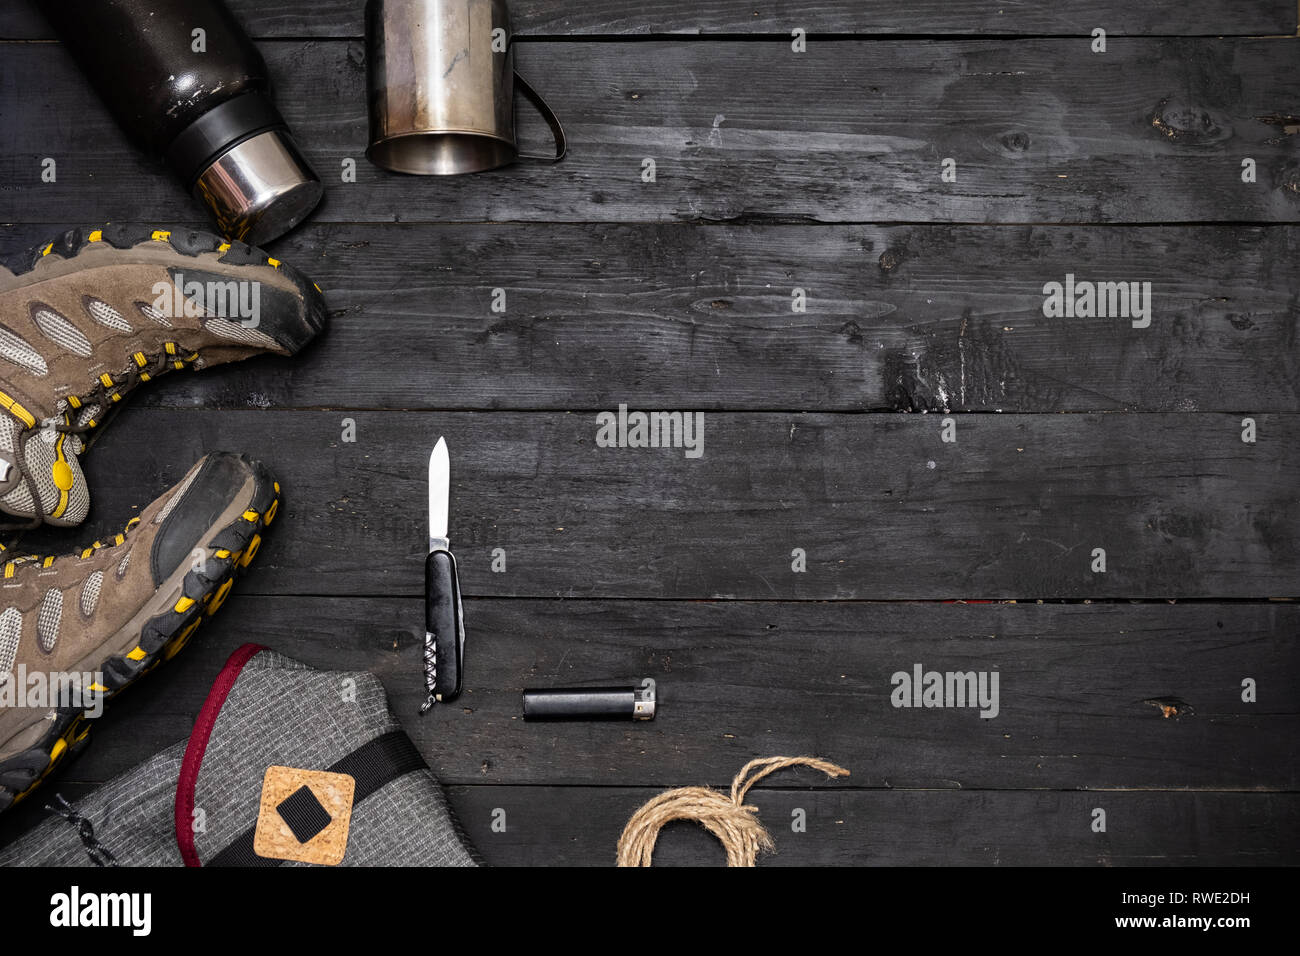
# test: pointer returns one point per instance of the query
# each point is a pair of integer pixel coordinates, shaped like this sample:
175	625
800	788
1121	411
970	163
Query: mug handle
553	121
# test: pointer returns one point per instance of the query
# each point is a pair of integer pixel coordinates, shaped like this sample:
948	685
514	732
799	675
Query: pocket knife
444	618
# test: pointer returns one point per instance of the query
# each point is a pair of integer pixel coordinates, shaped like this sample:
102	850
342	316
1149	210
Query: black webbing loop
372	766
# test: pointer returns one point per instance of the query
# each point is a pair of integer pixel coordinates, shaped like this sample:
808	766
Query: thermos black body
186	84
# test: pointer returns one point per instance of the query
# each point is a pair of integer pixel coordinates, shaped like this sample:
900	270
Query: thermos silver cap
259	189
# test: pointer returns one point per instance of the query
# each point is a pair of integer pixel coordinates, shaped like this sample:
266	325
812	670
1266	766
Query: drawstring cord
99	854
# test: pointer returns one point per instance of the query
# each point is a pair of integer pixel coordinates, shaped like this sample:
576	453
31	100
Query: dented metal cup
440	87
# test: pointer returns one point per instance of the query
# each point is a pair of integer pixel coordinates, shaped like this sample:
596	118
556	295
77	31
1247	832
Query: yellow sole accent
174	648
251	515
137	655
183	605
95	236
98	688
270	512
251	551
276	486
222	553
56	753
46	250
273	263
160	235
224	247
74	402
220	595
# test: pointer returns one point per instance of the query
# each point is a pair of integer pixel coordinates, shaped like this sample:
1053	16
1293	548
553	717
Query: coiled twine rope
726	817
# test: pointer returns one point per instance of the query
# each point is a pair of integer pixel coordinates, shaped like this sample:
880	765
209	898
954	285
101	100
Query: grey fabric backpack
286	765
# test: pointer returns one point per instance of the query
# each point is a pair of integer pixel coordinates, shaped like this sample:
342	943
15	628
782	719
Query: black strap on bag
372	766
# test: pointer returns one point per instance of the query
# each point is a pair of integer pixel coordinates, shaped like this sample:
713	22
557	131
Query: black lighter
590	703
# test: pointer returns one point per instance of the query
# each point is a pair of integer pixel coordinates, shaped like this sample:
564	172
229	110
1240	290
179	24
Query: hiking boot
87	318
78	628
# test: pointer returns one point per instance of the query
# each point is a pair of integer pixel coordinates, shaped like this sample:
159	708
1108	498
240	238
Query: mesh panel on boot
61	332
16	349
240	333
87	413
9	430
19	498
40	455
149	312
11	628
47	625
107	316
90	590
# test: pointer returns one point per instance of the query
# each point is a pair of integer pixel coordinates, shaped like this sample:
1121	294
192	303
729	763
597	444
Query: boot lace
12	564
106	395
108	391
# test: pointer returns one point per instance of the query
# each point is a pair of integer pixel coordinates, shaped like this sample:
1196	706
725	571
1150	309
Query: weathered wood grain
675	295
738	680
881	506
910	318
1041	131
580	826
343	18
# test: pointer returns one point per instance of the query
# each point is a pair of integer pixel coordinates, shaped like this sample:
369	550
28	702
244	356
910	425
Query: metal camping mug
440	83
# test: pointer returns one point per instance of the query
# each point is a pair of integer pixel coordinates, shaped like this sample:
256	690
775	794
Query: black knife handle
444	623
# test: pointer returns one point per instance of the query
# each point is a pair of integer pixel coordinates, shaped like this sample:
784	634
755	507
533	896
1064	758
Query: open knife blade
439	495
444	624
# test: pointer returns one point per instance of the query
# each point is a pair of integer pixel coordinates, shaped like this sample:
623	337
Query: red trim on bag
198	744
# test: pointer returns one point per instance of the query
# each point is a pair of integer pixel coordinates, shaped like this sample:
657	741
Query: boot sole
163	635
292	333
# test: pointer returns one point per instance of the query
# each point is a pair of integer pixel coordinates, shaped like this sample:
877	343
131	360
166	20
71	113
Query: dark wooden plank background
344	18
916	318
1042	130
776	171
1074	690
882	507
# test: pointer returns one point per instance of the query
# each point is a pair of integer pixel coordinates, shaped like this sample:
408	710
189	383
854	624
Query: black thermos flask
185	82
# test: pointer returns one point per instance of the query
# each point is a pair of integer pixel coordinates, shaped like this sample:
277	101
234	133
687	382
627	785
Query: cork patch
304	815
